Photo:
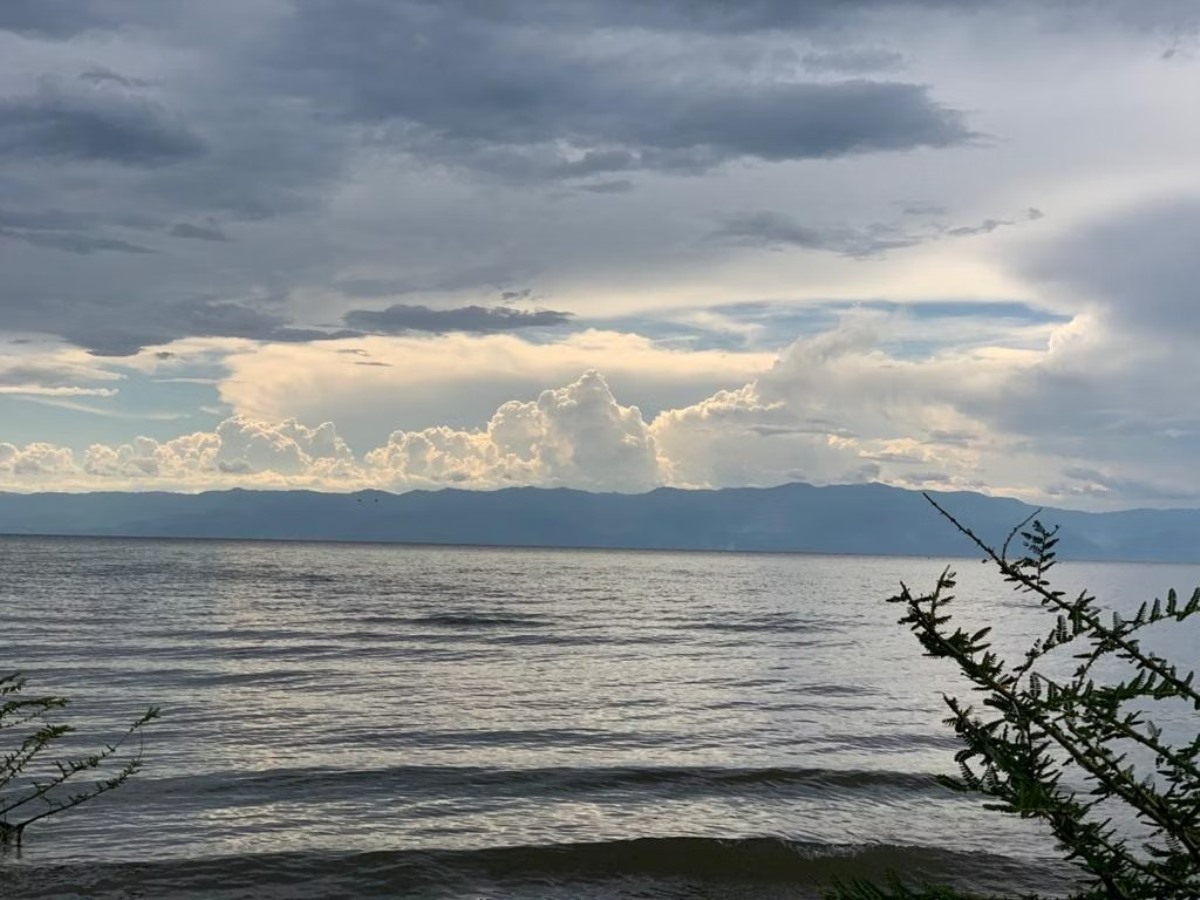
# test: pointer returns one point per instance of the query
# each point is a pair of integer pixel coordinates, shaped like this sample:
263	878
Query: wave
481	620
547	782
672	866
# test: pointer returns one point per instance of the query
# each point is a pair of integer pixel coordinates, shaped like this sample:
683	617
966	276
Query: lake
398	721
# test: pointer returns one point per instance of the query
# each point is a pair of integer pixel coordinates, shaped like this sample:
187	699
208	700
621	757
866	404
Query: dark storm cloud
117	138
101	75
65	19
303	335
208	318
72	242
769	15
673	15
681	129
198	232
57	229
44	220
58	19
460	278
490	93
115	329
93	125
751	16
809	121
47	18
124	331
477	319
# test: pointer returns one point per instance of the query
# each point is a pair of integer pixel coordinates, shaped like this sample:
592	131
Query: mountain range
861	518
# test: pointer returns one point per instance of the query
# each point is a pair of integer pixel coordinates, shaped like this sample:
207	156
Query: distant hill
865	518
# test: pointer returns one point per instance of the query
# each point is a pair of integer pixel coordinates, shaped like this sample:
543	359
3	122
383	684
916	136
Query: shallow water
366	720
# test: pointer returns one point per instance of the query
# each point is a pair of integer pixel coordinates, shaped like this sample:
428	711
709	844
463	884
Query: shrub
33	784
1036	730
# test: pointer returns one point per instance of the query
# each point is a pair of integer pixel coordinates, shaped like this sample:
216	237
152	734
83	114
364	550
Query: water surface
366	720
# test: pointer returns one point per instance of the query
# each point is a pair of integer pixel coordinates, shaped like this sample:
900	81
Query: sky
602	244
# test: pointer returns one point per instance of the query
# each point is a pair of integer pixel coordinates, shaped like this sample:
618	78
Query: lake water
370	720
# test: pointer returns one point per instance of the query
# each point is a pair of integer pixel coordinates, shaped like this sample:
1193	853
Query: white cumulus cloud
851	404
576	436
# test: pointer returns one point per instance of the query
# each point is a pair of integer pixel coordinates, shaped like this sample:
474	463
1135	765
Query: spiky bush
1035	732
34	783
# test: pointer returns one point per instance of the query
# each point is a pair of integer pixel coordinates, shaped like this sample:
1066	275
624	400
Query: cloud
65	19
489	93
720	17
772	429
198	232
460	379
43	220
288	448
853	59
987	226
476	319
93	125
102	75
58	229
34	462
922	208
240	448
359	130
836	407
782	14
72	242
610	186
576	436
68	370
41	390
1136	265
101	411
462	278
1084	482
36	17
446	154
579	435
776	230
198	317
